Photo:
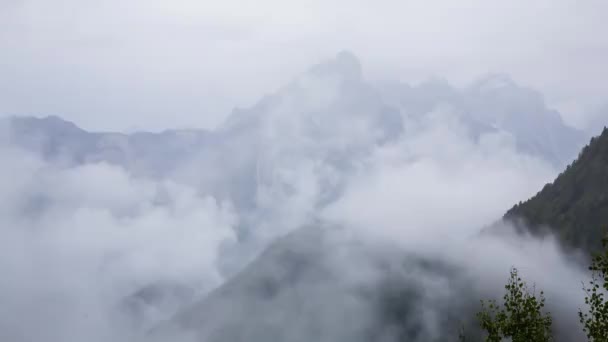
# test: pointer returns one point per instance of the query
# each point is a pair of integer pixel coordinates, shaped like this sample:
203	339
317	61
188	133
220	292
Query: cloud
411	179
410	206
438	184
153	64
76	242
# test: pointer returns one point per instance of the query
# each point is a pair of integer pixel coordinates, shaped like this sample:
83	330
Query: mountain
575	205
494	103
318	284
280	162
329	111
145	154
321	283
291	154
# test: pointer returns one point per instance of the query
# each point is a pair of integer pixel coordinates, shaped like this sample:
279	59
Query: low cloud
76	242
90	246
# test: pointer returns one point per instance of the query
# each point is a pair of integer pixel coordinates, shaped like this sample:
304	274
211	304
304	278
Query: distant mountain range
295	148
60	141
494	103
333	107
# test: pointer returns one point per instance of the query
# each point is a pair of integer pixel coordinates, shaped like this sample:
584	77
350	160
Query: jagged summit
494	82
344	65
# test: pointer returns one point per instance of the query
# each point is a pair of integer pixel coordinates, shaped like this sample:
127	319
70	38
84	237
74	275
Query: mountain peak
344	65
493	82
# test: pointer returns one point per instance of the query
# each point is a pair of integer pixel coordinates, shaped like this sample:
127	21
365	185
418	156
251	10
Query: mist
153	65
338	190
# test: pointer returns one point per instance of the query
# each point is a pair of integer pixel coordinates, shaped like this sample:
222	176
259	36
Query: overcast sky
153	64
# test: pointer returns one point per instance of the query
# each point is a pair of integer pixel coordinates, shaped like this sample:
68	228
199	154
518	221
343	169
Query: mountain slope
300	288
575	205
316	284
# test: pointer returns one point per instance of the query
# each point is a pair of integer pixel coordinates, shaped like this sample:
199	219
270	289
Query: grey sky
156	64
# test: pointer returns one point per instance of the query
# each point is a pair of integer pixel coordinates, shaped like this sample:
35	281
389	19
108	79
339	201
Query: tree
520	318
595	321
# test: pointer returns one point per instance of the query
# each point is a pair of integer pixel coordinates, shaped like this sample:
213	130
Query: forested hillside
575	205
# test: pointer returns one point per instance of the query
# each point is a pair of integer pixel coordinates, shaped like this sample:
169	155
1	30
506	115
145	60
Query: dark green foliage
519	318
575	205
595	322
